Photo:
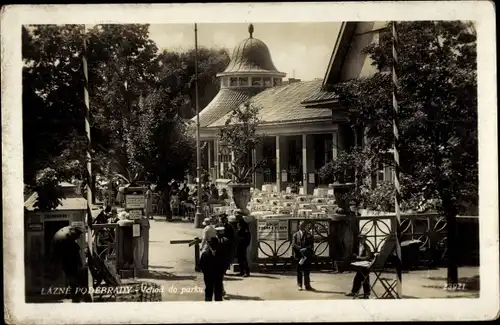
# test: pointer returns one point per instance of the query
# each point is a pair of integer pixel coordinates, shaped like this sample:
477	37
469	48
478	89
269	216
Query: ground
172	266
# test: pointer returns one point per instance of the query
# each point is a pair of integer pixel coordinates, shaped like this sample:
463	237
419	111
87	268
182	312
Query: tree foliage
239	136
438	110
137	100
437	95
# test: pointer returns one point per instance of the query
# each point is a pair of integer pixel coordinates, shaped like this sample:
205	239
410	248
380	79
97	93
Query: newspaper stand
39	230
135	233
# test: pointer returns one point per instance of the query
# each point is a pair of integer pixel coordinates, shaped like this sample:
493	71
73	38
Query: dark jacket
213	265
303	245
244	235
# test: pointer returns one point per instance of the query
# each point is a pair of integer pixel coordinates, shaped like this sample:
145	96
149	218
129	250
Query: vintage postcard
258	162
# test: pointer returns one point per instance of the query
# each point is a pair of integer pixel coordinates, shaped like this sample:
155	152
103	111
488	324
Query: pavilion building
298	140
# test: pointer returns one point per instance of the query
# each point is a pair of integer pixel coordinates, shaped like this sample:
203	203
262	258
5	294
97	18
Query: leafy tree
239	136
438	115
135	99
48	189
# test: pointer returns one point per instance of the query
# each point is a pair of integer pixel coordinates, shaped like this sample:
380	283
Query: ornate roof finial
250	30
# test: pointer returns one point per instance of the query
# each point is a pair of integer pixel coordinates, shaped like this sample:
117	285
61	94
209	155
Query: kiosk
39	229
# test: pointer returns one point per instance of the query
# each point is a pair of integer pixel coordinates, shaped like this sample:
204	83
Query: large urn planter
345	226
241	196
339	191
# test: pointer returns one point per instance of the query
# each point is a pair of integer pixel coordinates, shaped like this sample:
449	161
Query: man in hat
224	248
303	250
212	265
244	238
208	233
228	234
224	195
362	276
66	250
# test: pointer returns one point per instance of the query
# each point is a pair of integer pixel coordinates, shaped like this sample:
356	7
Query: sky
300	49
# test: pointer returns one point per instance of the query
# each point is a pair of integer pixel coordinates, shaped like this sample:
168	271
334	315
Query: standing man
228	234
209	232
66	250
244	239
212	265
303	251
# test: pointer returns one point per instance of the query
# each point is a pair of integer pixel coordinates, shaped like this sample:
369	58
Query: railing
106	240
336	238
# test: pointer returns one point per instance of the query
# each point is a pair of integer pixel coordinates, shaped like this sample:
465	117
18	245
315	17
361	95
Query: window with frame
233	81
267	82
277	81
243	81
256	81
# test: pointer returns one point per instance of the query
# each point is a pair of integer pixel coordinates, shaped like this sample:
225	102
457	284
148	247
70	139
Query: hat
79	227
206	222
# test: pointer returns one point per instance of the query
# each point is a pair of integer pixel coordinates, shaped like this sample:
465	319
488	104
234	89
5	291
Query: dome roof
251	55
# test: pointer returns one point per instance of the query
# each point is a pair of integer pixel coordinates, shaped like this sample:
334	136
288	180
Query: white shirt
209	232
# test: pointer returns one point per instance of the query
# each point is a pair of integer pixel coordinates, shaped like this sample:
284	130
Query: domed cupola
251	66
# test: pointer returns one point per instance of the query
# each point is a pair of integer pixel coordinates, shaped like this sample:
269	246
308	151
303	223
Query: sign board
272	229
135	214
312	179
284	176
77	224
35	226
135	201
136	230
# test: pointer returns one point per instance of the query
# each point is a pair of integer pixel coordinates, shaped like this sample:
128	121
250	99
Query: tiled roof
73	202
223	103
283	104
320	95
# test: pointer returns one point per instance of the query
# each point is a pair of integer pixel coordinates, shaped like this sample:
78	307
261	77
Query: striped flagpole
89	155
397	185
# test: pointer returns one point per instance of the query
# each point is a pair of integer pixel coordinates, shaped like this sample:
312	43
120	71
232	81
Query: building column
278	165
335	143
307	162
216	159
311	165
284	157
209	156
304	164
257	158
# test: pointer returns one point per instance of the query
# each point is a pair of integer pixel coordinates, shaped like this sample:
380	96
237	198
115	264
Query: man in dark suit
212	264
303	251
244	239
228	234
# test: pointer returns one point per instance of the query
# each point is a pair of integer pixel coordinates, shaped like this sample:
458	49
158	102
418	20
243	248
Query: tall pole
89	155
397	185
198	215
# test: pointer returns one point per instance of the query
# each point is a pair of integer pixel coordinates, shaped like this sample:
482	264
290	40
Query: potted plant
239	137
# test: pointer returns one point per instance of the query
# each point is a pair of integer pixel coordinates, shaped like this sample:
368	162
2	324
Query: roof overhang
317	126
339	53
253	73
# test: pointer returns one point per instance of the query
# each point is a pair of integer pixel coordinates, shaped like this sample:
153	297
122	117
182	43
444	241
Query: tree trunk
452	241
